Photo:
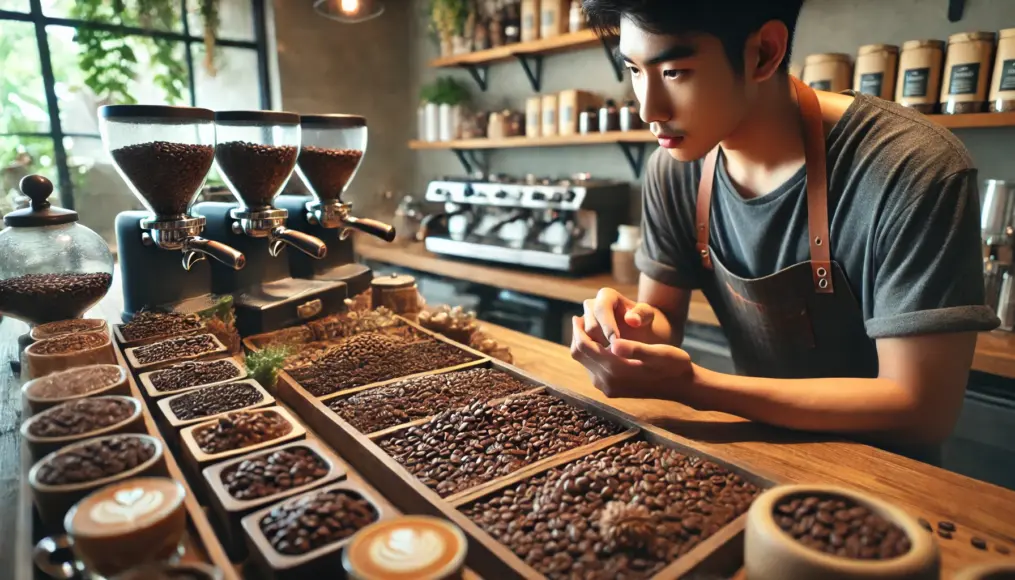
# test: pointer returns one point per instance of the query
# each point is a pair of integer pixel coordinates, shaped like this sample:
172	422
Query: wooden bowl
145	381
39	364
169	418
53	501
992	571
39	446
229	510
772	554
72	326
274	565
36	402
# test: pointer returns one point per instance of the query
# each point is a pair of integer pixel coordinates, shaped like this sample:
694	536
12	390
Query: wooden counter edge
995	351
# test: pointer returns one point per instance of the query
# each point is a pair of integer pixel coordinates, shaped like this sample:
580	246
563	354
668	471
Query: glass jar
875	70
51	267
920	74
967	70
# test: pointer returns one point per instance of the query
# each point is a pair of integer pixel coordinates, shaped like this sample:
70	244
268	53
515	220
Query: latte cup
117	528
406	548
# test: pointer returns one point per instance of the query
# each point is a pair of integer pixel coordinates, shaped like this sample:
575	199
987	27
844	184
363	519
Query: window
62	59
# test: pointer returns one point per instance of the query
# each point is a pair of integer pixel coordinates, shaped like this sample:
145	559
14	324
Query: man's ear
765	50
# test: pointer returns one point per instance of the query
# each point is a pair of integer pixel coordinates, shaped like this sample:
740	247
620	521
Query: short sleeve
667	253
928	276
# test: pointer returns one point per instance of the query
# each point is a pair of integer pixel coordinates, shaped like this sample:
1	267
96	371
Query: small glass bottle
609	117
630	118
576	18
588	121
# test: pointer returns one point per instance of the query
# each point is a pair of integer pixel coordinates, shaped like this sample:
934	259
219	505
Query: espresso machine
564	225
164	155
997	229
256	152
332	151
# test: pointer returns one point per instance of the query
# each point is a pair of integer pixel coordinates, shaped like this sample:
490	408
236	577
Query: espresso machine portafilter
164	155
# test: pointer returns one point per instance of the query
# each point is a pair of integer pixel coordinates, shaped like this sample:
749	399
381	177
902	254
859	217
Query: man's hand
610	315
625	368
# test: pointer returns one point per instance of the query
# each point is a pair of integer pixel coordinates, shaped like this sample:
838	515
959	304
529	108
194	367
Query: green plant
448	17
444	91
109	59
265	364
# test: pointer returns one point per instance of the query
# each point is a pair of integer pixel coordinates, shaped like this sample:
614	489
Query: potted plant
448	19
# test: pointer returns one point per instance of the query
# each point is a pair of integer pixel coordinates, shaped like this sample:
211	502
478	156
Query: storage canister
1002	85
828	72
920	74
875	70
967	69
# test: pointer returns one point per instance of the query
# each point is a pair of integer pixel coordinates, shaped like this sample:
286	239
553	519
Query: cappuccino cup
118	527
406	548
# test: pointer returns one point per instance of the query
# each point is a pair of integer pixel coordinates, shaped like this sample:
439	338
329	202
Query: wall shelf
974	120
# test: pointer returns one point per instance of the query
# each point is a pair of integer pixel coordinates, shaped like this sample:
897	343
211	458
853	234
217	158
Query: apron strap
817	192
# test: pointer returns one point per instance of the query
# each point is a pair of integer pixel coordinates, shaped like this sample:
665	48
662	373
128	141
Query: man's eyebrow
675	52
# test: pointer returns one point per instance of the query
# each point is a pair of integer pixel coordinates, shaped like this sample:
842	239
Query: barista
836	236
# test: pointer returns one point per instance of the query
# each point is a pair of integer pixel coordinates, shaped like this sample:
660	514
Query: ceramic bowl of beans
810	532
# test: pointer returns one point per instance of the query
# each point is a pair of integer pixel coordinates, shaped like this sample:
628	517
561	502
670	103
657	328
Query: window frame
40	20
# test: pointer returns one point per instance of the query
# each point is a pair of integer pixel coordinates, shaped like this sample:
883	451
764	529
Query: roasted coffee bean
256	172
167	175
459	449
174	348
839	526
78	381
54	329
327	171
97	459
978	543
406	401
946	526
316	519
1003	550
214	400
80	416
273	472
374	356
241	429
625	537
192	374
146	325
69	343
944	534
926	525
41	298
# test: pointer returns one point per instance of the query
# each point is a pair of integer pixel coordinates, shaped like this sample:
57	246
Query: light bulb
350	6
349	11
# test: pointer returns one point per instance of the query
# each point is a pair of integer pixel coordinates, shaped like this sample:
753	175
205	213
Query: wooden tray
146	381
721	553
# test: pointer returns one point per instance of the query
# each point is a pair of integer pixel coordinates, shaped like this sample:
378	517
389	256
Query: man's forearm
840	405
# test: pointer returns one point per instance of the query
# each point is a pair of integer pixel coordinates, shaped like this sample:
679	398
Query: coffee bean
69	343
315	520
405	401
166	175
946	526
80	416
1003	550
97	459
241	429
54	329
174	348
148	324
521	427
372	357
622	538
273	472
944	533
192	373
256	172
41	298
978	543
926	525
840	527
78	381
327	171
214	400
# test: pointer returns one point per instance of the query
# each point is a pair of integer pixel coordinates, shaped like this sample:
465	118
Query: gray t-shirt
903	219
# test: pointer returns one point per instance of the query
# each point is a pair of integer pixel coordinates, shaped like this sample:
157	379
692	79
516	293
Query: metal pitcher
997	211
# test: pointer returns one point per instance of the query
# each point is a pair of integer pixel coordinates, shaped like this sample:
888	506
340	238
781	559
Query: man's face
688	92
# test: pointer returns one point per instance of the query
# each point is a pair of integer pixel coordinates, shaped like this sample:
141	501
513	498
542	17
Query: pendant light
349	11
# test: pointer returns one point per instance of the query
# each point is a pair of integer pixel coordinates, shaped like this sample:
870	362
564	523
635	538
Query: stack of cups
624	270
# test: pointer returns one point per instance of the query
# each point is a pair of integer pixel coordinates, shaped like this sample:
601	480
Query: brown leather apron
802	321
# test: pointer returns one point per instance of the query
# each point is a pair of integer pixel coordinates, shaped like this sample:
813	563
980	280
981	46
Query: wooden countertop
995	351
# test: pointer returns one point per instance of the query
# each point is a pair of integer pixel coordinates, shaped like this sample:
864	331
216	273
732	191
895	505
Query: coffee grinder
256	152
164	155
333	148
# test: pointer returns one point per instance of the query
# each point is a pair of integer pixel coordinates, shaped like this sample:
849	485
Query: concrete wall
825	26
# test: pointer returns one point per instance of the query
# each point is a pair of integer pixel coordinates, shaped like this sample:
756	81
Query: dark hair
732	21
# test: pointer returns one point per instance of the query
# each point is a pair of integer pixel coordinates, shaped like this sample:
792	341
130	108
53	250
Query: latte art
406	549
126	506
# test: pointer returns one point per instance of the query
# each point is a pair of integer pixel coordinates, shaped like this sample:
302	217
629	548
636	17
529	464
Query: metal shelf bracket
611	56
470	160
533	66
479	74
955	9
635	155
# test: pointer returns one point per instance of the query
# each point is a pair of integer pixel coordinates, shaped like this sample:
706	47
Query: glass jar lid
40	212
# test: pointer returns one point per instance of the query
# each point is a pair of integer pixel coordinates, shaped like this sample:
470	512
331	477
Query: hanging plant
210	16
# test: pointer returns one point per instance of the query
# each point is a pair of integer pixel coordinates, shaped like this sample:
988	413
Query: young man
836	236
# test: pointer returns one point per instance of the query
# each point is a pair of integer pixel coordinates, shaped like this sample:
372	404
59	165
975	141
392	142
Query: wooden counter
995	351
